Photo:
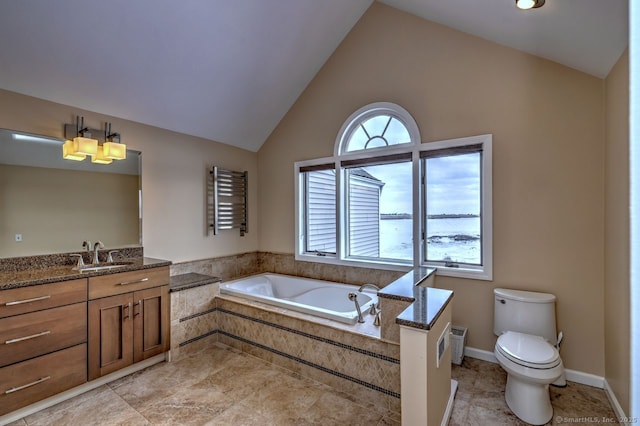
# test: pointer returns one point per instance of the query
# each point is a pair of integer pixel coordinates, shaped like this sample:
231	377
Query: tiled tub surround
361	365
241	265
352	358
194	318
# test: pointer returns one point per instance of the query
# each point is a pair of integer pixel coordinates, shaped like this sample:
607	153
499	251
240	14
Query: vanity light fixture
100	158
112	149
529	4
101	151
83	144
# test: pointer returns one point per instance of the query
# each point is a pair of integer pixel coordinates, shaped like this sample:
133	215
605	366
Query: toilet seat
528	350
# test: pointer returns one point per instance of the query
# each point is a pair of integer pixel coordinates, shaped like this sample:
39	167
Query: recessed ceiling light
529	4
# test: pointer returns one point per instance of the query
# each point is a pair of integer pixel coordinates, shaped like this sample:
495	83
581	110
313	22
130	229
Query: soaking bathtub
315	297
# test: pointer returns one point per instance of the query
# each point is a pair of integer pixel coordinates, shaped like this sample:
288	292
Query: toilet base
529	401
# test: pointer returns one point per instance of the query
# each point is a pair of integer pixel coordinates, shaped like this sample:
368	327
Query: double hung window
387	200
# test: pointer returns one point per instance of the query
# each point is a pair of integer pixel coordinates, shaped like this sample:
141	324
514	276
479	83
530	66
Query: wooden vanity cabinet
128	319
43	335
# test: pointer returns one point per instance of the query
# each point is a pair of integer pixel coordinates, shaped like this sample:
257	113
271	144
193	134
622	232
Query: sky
453	185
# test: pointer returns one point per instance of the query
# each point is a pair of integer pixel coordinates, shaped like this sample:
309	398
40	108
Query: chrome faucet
363	286
354	297
98	245
372	311
79	264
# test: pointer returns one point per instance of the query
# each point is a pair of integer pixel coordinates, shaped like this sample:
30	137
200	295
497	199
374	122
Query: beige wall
617	280
54	209
174	170
547	123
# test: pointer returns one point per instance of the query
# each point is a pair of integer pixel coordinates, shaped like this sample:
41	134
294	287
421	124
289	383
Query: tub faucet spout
376	305
363	286
354	298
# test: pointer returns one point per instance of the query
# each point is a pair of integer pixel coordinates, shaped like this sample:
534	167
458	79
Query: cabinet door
151	322
110	334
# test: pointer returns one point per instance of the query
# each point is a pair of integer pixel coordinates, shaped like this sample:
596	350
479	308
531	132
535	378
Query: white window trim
377	108
485	272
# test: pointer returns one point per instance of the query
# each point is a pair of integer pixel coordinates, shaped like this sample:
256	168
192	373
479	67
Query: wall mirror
51	205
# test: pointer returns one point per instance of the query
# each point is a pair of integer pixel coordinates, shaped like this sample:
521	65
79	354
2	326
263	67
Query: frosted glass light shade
99	158
114	150
68	152
525	4
85	146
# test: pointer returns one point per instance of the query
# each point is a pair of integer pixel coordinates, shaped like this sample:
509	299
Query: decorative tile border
311	336
292	357
195	339
198	314
313	365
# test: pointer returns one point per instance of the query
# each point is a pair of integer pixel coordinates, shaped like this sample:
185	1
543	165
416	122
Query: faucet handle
110	255
86	244
376	320
80	264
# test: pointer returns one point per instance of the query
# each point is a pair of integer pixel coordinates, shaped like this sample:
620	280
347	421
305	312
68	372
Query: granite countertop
190	280
426	303
29	277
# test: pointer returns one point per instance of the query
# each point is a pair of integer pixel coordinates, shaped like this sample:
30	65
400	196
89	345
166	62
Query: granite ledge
36	276
424	312
426	303
190	280
403	288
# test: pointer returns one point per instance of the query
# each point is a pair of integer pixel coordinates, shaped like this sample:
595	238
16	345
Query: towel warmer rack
227	200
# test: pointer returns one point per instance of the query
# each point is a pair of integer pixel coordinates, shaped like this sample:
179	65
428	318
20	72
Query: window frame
481	272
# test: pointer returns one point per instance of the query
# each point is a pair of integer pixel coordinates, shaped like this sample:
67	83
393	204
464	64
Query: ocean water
456	239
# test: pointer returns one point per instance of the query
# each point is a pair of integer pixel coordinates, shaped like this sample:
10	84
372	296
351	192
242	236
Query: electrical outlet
18	237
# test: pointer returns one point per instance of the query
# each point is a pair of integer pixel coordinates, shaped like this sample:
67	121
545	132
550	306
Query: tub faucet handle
373	310
376	320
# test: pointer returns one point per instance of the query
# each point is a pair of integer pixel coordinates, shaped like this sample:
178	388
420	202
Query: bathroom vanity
60	328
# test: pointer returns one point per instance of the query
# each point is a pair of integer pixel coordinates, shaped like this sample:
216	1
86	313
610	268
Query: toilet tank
525	312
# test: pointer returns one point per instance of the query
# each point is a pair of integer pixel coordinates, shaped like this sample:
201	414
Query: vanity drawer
125	282
37	333
37	297
38	378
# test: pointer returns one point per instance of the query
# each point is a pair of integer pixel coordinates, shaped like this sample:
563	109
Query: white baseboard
572	375
449	409
480	354
617	409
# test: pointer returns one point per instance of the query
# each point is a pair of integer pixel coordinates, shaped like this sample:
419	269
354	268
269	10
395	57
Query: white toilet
525	322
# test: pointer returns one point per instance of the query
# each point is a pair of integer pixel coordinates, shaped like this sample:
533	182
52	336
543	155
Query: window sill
333	260
472	274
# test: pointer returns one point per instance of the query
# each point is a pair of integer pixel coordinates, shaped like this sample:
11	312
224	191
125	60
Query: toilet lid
528	350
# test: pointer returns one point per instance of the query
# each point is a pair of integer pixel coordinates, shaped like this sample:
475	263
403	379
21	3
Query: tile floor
480	399
220	386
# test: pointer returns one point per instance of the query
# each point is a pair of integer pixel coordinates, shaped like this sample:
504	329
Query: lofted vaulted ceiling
228	70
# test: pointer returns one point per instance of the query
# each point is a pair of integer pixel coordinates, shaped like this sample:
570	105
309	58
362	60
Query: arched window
378	125
387	200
